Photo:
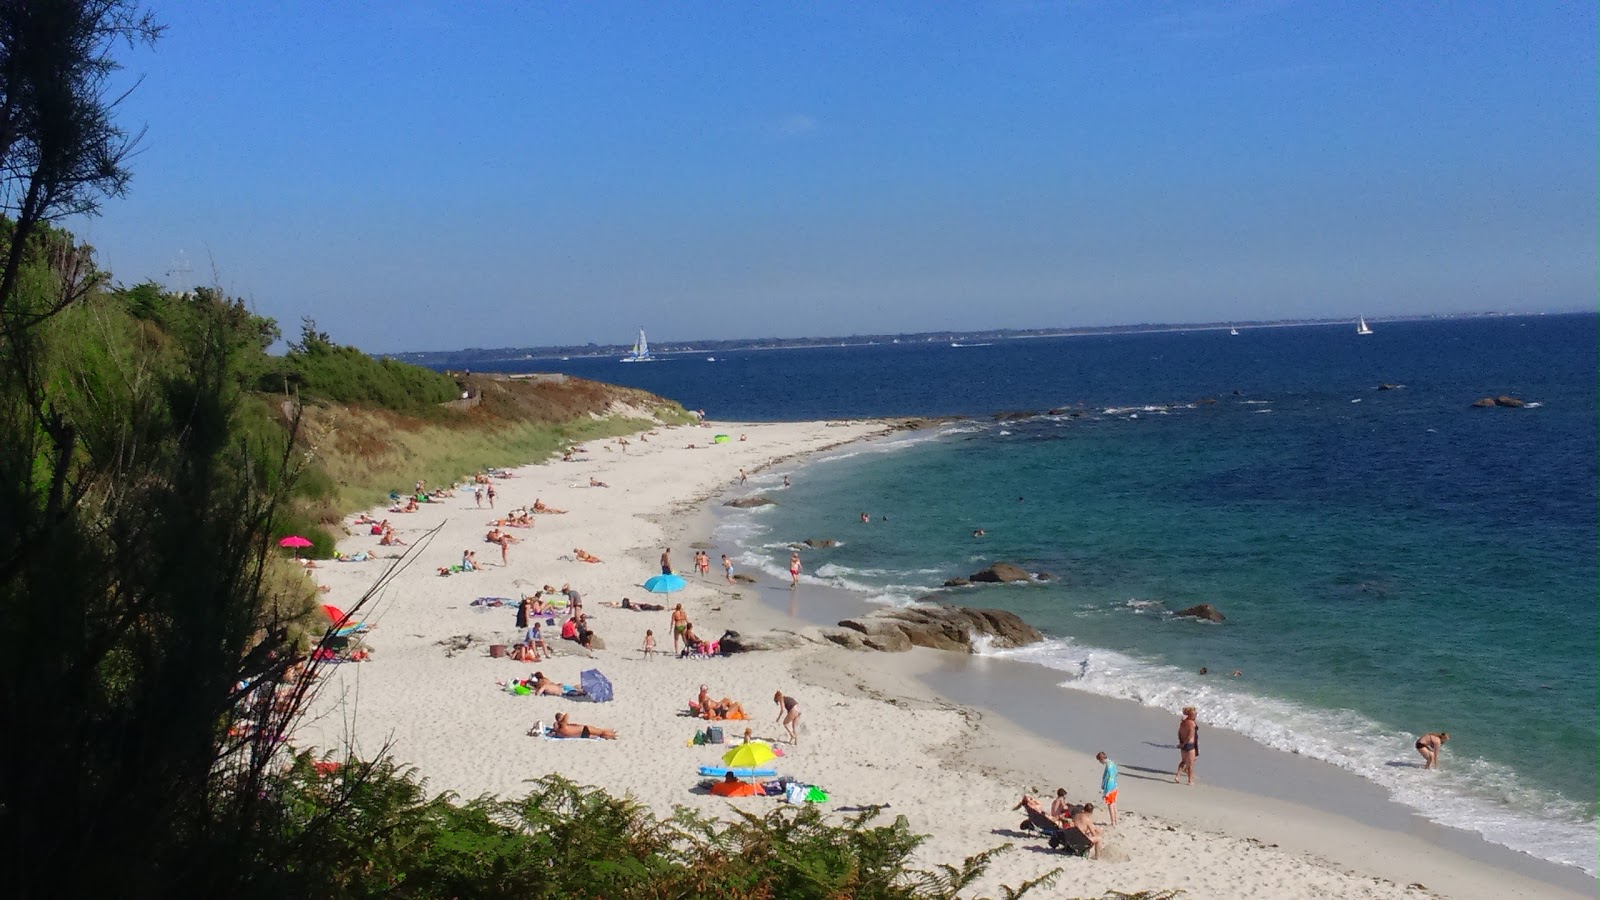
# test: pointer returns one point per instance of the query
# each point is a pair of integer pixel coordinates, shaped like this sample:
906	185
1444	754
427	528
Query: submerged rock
1203	611
957	582
1000	572
1511	402
820	543
750	502
1485	403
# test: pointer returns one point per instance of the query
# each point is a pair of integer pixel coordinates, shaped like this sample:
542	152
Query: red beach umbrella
295	541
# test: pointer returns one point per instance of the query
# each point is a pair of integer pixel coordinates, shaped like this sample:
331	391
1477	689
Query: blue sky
436	176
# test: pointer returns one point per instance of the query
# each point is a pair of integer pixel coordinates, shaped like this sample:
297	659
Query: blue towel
722	772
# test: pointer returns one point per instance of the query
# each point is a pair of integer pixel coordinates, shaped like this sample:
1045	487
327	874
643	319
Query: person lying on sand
566	728
365	519
636	607
540	507
595	482
585	556
544	686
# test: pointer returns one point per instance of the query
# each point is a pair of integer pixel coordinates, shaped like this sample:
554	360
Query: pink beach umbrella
296	542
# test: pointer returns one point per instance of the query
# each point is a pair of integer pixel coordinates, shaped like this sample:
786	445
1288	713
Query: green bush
323	370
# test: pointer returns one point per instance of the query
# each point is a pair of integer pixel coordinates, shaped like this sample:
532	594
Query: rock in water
1000	572
957	582
1484	403
742	578
749	502
820	543
953	628
1203	611
1511	402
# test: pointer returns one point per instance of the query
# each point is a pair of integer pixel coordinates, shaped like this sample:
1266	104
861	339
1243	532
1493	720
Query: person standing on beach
704	564
1108	784
680	621
743	477
490	494
1428	745
794	569
666	561
727	568
477	496
788	714
1188	744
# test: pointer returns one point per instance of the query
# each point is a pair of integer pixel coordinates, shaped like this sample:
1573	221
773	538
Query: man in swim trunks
666	561
1108	784
727	568
1428	745
1188	744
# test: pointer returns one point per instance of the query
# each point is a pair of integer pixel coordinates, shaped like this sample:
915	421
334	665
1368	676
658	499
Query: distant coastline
466	358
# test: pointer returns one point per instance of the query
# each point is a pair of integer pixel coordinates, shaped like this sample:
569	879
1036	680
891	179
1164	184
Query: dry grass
369	453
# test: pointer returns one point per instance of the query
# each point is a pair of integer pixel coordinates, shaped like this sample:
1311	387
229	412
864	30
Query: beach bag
794	793
714	735
816	795
699	738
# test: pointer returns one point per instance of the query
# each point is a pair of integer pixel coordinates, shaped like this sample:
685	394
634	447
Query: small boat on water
1233	331
641	350
1361	326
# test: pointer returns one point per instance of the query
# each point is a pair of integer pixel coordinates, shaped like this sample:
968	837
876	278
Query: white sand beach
871	730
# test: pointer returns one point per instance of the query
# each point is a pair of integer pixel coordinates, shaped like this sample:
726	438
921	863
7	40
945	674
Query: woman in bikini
680	621
788	714
569	729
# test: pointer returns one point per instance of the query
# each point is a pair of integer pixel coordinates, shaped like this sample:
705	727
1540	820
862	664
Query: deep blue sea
1390	562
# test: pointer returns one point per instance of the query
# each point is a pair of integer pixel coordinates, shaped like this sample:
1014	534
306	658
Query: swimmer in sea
1428	745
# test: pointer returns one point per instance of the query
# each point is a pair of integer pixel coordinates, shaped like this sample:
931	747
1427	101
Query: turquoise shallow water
1389	561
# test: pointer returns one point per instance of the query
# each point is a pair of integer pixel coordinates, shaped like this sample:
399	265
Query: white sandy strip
870	733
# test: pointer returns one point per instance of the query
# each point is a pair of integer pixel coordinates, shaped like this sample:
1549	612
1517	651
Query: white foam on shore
1471	794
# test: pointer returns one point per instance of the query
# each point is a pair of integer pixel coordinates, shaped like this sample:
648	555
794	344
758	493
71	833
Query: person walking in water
727	568
1428	745
794	569
1108	784
1188	744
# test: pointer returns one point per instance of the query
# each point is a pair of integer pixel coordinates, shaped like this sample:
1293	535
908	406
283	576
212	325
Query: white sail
1361	326
641	350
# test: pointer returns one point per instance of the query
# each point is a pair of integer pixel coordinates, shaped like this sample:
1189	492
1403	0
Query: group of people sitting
716	710
1064	815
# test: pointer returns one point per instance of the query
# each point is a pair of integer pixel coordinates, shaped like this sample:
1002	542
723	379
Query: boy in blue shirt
1108	784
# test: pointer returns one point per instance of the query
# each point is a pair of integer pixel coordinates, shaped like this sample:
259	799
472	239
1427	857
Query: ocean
1389	561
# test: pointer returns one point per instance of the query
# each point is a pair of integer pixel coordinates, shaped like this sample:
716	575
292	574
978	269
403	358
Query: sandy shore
872	729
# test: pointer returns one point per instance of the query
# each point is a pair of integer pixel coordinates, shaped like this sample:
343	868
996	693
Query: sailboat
641	350
1233	331
1361	326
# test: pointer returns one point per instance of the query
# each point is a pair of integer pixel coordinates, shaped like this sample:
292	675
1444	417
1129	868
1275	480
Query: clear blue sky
445	175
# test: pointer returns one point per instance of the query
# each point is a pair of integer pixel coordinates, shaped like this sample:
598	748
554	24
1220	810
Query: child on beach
1108	784
649	643
794	569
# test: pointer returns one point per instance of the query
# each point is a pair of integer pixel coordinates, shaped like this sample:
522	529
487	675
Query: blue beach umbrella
597	686
664	584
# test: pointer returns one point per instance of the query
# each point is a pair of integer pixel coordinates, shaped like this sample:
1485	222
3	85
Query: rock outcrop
740	642
820	543
957	582
953	628
750	502
1000	572
1203	611
1504	400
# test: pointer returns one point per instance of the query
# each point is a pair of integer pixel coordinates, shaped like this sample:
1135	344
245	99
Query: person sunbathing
691	641
1084	819
543	686
585	556
469	561
520	521
594	482
390	539
726	708
411	505
1031	805
540	507
636	607
365	519
566	728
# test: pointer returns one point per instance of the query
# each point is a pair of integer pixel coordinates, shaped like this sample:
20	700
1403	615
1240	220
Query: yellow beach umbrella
748	756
